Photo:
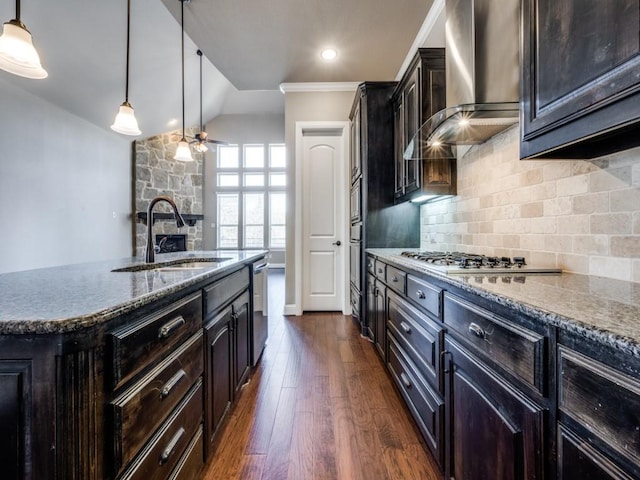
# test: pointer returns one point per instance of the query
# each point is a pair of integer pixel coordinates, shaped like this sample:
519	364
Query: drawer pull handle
380	270
173	381
168	328
477	330
405	327
420	294
394	279
171	446
405	380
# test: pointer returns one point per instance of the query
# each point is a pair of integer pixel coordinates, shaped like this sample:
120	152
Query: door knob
338	243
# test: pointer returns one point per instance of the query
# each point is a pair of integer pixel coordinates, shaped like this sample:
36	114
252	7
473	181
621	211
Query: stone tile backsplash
579	215
157	173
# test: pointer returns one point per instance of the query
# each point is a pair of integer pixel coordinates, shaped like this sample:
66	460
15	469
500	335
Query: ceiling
251	47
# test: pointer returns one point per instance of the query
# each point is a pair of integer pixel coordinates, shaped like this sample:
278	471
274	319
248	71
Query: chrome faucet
150	255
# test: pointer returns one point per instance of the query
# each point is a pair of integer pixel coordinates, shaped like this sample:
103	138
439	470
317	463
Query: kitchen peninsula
86	348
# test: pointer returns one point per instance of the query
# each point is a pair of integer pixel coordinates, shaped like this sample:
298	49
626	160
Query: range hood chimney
482	68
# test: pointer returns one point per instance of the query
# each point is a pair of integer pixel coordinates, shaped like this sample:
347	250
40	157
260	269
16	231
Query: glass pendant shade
200	147
17	54
183	152
126	122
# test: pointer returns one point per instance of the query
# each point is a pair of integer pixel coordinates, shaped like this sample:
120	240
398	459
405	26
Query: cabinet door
579	77
356	201
218	394
381	318
241	334
371	314
412	108
493	430
398	139
356	160
578	459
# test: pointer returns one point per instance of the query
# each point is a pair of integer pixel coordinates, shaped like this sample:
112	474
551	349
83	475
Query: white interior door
323	217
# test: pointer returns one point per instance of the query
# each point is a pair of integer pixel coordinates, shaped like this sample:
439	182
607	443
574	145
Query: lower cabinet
218	371
376	314
494	431
599	418
227	330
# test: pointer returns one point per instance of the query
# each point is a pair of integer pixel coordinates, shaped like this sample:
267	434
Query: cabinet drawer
396	279
380	270
139	411
191	462
425	405
161	455
371	265
136	345
424	294
603	400
225	290
519	351
419	336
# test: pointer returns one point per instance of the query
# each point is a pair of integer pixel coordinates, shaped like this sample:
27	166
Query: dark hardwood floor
318	406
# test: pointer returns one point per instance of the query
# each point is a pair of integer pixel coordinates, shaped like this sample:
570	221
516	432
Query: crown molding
429	21
319	87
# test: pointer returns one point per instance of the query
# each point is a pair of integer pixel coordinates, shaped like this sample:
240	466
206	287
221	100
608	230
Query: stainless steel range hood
482	63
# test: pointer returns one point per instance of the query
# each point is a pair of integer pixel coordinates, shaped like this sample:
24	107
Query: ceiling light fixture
201	137
125	122
329	54
201	140
17	53
183	152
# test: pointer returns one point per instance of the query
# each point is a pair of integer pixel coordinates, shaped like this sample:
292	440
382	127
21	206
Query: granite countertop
73	297
602	309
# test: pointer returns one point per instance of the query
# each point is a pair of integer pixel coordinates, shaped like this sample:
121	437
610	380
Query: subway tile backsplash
579	215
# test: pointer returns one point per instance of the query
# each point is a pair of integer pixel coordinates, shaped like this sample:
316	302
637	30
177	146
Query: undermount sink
175	265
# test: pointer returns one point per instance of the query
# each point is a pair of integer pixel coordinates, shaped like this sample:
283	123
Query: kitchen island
513	375
104	374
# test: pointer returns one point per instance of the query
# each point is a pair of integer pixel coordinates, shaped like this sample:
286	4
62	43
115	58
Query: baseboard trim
292	309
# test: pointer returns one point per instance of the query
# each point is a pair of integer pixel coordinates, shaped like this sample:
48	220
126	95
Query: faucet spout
150	254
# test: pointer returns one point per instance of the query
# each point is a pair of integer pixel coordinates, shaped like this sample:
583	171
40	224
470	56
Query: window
250	194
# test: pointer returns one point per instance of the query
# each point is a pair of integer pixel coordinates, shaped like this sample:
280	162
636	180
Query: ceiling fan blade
218	142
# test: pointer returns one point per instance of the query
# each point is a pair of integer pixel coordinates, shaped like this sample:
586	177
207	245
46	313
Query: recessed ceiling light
329	54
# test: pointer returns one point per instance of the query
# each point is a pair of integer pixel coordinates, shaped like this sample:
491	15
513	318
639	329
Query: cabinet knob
420	294
394	279
173	381
168	328
405	380
477	330
171	446
405	327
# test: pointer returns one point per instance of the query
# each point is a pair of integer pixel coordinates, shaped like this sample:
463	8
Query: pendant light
125	121
17	54
201	145
183	152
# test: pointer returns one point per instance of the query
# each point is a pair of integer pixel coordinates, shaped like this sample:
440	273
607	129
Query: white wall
300	107
62	179
237	129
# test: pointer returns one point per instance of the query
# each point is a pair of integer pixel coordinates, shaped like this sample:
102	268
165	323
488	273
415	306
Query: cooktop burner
460	263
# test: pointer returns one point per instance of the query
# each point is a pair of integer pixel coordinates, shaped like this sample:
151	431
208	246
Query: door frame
301	127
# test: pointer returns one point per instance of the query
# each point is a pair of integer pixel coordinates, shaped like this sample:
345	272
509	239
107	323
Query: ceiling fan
200	141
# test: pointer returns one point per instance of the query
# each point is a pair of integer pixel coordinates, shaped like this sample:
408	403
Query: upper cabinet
580	83
420	94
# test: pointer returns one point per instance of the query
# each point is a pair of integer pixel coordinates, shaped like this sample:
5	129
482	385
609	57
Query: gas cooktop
469	263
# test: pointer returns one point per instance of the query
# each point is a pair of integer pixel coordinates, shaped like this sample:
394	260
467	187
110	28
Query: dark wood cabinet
580	92
599	416
376	314
420	94
219	372
242	345
494	431
380	222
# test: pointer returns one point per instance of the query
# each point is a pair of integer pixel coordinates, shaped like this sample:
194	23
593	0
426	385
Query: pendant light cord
126	88
182	23
199	52
18	10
